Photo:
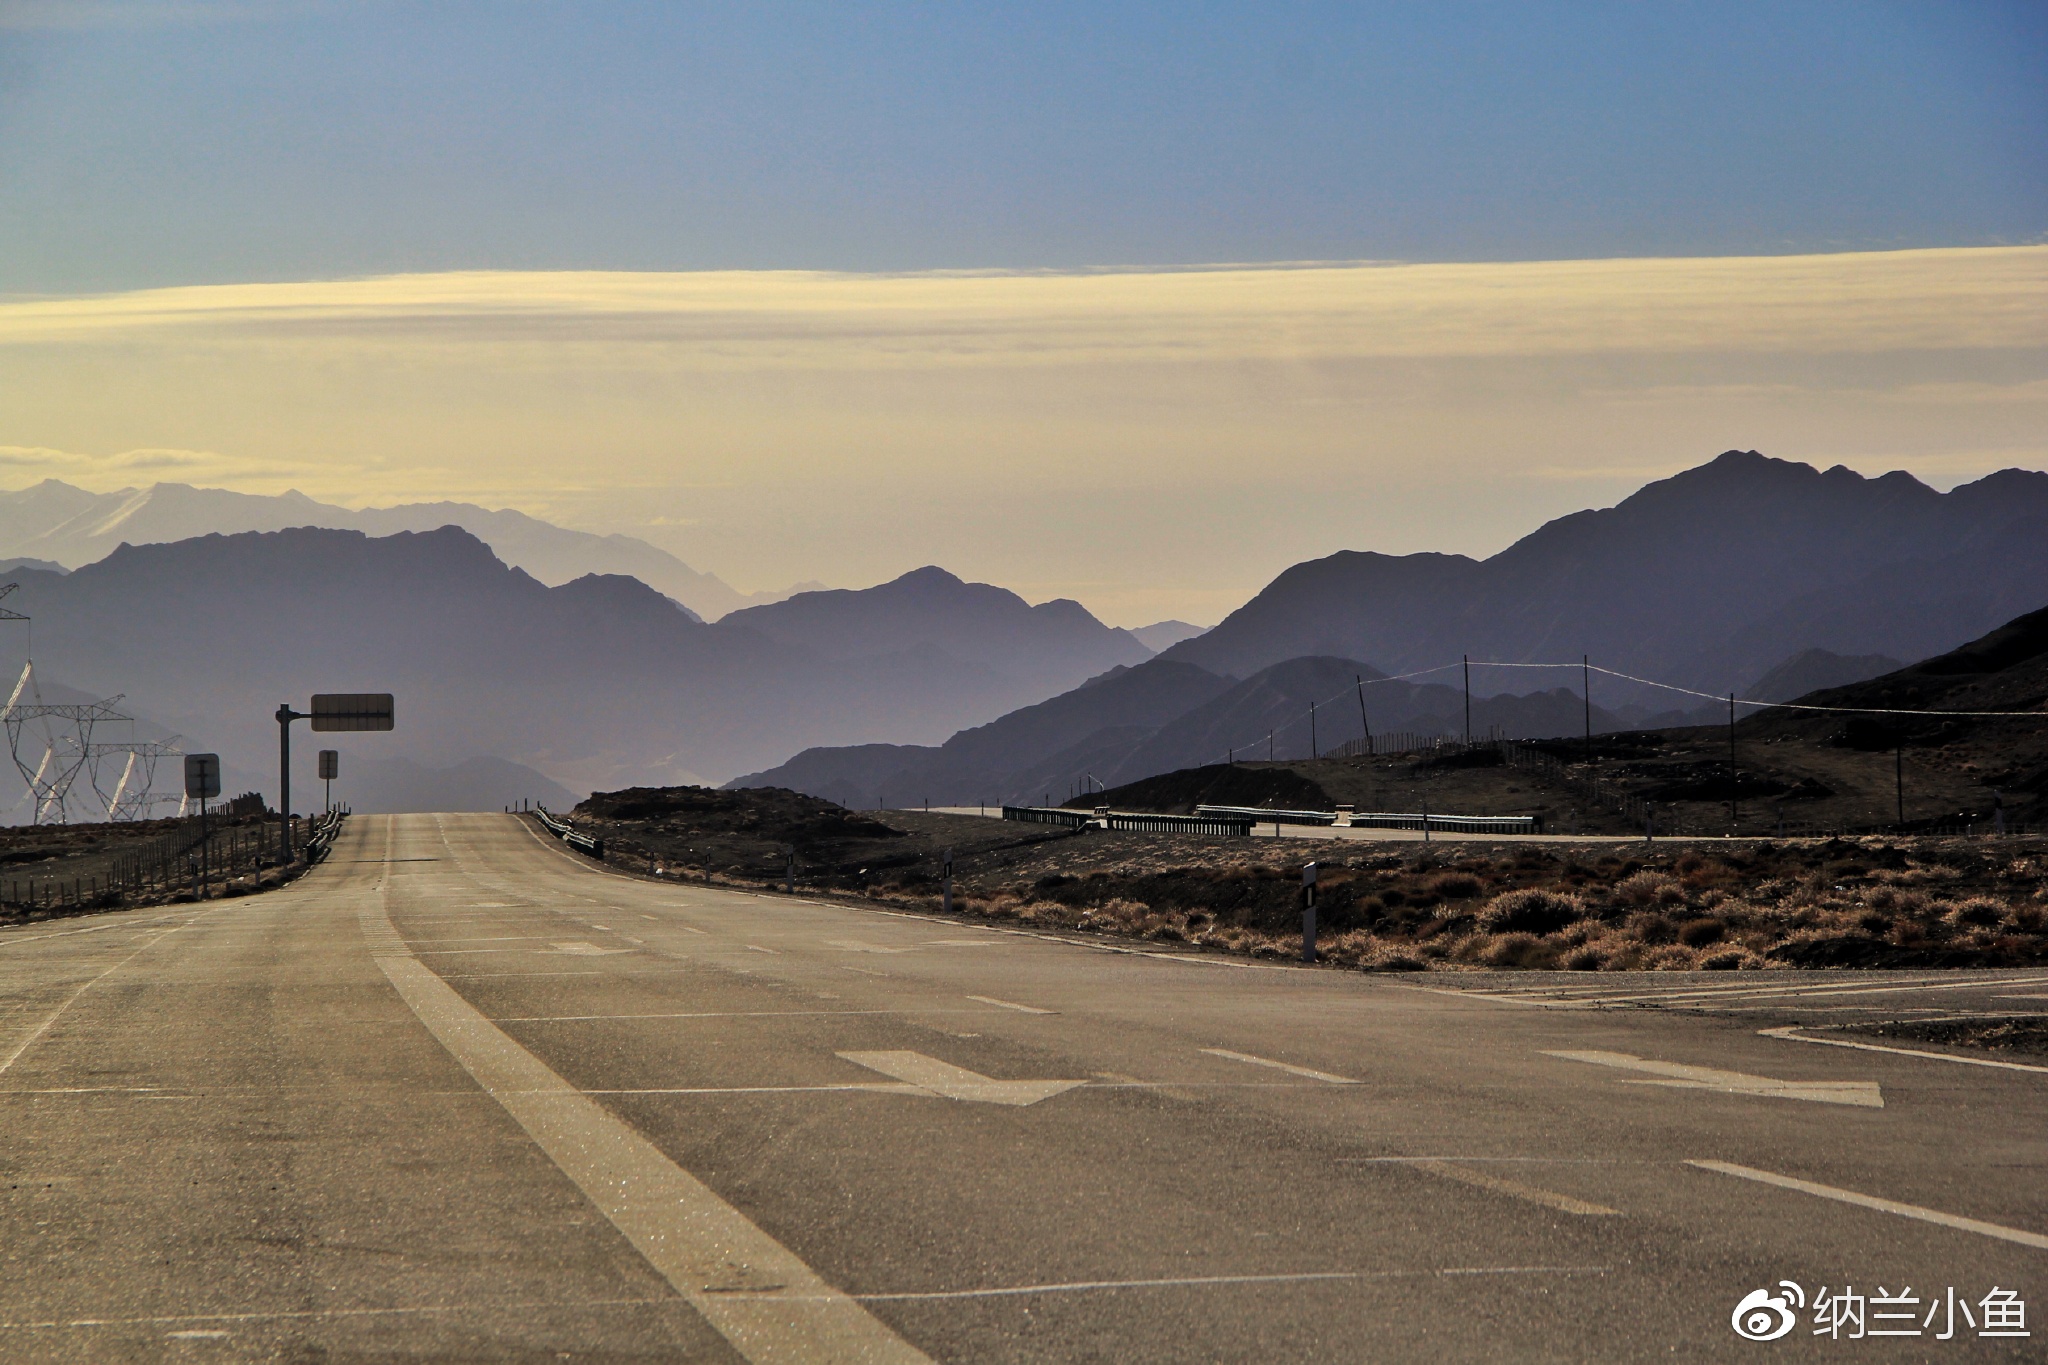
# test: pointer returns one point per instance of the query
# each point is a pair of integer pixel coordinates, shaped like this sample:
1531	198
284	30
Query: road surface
461	1095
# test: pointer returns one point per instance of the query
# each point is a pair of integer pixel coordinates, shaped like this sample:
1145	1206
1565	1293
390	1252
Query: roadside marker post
789	870
1308	912
202	781
946	883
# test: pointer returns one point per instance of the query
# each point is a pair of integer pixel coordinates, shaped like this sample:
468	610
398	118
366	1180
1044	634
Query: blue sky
146	143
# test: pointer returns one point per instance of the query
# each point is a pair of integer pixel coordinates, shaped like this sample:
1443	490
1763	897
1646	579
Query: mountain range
56	522
1705	580
599	682
1746	574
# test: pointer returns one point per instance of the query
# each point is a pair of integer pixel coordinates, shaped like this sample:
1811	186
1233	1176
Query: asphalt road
460	1095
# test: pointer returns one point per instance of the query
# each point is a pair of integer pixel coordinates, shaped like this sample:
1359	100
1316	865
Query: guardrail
1260	816
1049	815
1229	826
1451	824
326	829
563	830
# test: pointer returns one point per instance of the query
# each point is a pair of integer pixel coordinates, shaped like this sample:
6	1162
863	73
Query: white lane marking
754	1291
1309	1072
757	948
578	948
873	1087
854	945
957	1082
2022	996
700	1014
1867	1201
68	1001
1563	1203
1011	1005
199	1334
1790	1035
1863	1094
288	1314
9	941
484	938
690	929
655	918
1197	1281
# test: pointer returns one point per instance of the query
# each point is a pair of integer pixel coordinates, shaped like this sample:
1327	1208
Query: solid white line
754	1291
704	1014
1789	1036
1309	1072
1947	1220
1011	1005
772	952
11	1058
1195	1281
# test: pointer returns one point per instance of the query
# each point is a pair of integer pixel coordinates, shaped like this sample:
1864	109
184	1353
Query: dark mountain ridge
1704	580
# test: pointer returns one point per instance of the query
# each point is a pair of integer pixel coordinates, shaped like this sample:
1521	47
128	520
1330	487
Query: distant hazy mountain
598	683
1705	579
396	785
57	522
1161	635
1810	670
930	613
1157	717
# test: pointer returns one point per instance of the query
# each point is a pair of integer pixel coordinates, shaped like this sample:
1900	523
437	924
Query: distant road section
459	1094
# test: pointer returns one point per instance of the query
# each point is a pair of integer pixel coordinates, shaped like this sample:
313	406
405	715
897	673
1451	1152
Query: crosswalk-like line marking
1288	1067
1867	1201
1863	1094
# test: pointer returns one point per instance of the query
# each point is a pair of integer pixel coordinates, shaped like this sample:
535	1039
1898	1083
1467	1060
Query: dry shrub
1649	888
1698	933
1977	911
1519	950
1650	928
1393	957
2029	918
1586	958
1671	957
1531	911
1456	886
1730	959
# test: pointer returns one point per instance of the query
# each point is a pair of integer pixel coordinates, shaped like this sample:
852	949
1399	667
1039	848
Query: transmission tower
58	737
133	796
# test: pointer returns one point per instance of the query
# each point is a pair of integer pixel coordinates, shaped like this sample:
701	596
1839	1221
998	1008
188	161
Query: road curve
460	1095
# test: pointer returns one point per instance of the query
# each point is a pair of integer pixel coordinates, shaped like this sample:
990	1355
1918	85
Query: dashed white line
1309	1072
1011	1005
1563	1203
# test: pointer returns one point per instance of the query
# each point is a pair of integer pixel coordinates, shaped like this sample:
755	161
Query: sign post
330	768
202	781
331	711
1308	912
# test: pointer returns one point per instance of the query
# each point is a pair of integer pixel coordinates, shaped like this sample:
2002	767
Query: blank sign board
352	711
330	765
202	776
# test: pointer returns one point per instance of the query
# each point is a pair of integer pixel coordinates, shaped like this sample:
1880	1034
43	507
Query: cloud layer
1153	442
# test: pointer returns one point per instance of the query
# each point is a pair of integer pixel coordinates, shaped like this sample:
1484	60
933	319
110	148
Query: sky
1132	304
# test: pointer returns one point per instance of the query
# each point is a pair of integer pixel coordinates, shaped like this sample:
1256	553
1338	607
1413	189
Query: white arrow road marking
581	949
957	1082
1864	1094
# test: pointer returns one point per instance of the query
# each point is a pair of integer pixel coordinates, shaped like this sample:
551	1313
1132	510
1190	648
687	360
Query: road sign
202	776
352	711
330	765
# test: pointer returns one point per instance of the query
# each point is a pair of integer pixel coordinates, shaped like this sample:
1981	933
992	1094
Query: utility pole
1586	692
1269	746
1468	701
1364	724
1899	774
1734	783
